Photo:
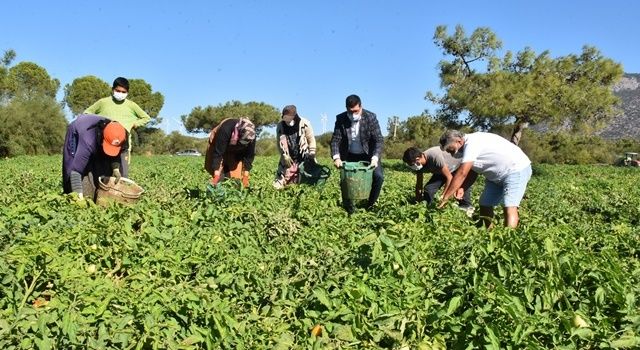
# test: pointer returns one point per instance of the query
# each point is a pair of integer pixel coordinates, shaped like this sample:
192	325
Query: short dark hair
122	82
410	155
352	101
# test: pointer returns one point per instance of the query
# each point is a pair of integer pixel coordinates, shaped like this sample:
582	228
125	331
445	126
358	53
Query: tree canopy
27	79
31	126
521	89
83	92
203	119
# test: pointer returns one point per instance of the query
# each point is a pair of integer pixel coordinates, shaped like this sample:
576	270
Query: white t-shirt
493	156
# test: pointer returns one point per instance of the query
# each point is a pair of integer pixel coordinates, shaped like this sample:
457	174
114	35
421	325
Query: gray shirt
436	159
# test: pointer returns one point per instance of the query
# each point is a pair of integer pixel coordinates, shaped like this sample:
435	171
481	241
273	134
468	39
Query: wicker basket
126	191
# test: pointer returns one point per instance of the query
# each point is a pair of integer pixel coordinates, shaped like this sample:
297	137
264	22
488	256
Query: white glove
374	162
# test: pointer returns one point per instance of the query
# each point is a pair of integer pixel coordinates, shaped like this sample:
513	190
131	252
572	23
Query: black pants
376	185
438	180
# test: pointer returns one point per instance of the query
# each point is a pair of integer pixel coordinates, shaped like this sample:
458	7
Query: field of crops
279	270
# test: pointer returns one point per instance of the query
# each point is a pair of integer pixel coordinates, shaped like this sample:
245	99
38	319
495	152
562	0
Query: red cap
113	137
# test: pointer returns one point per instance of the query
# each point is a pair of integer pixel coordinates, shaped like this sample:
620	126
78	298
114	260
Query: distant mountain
627	124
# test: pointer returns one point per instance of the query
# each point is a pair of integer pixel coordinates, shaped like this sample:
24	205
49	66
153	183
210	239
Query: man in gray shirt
442	165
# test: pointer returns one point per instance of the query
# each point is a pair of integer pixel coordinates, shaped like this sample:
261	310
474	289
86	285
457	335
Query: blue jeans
508	192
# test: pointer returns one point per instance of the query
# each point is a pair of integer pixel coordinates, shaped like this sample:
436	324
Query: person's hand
215	179
245	179
337	162
459	193
117	175
442	204
79	200
288	162
374	162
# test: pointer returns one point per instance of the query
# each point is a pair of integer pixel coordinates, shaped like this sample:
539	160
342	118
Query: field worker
357	137
296	144
231	150
92	148
117	108
443	166
506	168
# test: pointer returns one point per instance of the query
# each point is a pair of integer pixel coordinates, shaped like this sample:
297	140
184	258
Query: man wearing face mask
296	144
443	166
357	137
231	150
118	108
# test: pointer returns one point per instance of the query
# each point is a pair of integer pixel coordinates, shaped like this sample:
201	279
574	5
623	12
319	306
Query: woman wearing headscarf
296	144
231	150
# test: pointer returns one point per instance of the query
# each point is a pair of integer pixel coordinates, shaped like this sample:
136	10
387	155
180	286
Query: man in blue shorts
506	168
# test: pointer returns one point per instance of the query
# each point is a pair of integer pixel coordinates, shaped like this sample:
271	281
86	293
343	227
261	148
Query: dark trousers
438	180
376	185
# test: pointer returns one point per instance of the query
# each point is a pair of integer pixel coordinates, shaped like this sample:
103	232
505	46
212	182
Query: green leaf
321	295
626	342
454	304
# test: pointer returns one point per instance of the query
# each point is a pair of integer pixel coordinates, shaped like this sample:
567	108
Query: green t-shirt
127	112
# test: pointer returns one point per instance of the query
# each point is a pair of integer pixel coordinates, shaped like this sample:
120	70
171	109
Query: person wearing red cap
92	148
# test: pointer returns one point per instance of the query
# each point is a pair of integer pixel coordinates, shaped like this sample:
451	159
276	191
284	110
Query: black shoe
350	209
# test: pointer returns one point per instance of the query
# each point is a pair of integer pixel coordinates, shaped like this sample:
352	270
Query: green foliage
529	88
154	141
31	126
421	131
7	58
267	146
261	268
151	102
323	144
204	119
27	79
83	92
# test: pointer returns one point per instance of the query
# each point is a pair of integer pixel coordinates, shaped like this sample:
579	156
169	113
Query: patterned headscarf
244	132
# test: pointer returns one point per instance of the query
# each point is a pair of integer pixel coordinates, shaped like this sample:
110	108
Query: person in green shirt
117	108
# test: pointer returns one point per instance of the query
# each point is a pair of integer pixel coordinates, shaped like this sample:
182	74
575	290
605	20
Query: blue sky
308	53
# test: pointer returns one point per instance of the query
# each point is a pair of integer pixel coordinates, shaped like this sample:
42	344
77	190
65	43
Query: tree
83	92
204	119
151	102
27	79
34	125
7	58
523	90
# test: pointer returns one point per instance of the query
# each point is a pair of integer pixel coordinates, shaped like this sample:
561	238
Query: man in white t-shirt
506	168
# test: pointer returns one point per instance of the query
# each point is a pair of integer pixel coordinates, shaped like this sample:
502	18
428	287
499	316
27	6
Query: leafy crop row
289	269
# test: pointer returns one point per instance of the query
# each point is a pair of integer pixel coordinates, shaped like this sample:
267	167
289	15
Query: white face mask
292	123
415	167
355	117
119	96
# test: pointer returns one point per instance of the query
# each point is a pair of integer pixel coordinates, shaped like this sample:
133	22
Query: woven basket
126	191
